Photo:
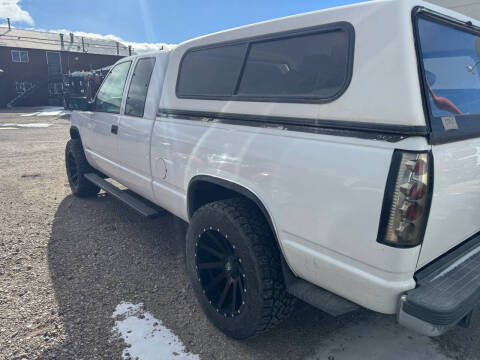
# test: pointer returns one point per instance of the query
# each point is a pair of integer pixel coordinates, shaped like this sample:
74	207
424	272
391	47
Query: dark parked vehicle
81	86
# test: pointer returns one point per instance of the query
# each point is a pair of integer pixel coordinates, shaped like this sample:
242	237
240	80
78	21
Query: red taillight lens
418	191
407	200
420	167
413	212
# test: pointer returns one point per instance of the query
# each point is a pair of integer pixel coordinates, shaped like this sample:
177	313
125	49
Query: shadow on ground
101	253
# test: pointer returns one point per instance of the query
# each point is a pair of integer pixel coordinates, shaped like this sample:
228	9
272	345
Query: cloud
138	47
11	9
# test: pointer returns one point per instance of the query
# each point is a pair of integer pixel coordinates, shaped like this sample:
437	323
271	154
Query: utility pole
9	26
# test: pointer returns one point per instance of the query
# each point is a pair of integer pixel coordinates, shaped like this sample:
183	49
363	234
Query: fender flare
227	185
234	187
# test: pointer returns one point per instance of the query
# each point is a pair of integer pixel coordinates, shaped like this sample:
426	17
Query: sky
138	22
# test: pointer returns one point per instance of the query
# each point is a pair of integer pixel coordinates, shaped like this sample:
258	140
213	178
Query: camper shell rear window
312	65
449	55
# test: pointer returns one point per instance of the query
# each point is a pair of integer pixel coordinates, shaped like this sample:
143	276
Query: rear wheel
234	266
77	166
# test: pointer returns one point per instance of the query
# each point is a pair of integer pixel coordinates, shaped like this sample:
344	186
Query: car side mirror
91	105
86	105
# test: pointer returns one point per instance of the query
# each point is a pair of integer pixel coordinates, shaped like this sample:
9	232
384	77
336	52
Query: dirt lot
67	263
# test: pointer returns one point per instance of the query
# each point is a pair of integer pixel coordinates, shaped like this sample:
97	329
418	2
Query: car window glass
137	92
109	96
313	65
211	71
452	63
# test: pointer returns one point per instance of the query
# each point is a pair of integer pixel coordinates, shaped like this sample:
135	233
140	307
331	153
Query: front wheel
234	266
77	166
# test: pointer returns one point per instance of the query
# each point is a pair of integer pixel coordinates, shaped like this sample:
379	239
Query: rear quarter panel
324	194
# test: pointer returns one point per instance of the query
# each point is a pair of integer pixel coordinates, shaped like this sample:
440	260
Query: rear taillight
407	199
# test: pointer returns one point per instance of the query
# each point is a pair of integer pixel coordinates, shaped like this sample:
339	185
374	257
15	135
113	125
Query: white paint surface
147	337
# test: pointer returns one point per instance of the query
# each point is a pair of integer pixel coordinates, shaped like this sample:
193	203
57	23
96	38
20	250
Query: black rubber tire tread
278	304
84	188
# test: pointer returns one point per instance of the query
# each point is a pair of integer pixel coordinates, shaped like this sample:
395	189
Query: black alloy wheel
220	272
234	266
72	169
77	166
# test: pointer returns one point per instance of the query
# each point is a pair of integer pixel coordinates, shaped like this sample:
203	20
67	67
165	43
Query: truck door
102	128
135	127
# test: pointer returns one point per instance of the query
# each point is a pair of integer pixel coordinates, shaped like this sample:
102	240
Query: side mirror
82	104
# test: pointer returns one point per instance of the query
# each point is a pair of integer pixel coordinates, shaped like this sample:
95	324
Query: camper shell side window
312	65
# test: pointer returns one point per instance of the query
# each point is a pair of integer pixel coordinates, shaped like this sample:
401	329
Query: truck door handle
114	129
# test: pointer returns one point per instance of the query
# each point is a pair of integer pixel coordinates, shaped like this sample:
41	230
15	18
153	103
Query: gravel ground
66	263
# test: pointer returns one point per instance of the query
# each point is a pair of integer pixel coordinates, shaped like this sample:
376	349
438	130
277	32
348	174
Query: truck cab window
109	97
137	93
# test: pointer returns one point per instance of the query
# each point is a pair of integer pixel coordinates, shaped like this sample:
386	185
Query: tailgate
455	209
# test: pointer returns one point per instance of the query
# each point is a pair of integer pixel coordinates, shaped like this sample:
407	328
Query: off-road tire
77	166
267	303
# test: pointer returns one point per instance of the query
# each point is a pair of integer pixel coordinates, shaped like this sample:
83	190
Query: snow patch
147	337
19	126
49	111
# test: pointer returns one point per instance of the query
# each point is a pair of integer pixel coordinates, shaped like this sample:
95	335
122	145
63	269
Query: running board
317	297
138	205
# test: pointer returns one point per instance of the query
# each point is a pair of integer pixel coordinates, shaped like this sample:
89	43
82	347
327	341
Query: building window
20	56
22	86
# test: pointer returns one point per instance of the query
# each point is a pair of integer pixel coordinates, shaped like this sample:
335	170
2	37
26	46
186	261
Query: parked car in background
80	87
330	156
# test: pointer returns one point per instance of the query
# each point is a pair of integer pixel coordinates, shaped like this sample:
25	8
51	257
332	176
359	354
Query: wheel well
202	192
74	133
205	189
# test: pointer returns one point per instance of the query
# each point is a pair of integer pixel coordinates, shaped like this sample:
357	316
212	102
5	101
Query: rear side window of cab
312	65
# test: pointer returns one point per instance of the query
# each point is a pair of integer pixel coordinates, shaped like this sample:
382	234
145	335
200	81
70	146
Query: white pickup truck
332	156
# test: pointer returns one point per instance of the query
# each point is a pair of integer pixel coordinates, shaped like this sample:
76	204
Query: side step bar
139	206
317	297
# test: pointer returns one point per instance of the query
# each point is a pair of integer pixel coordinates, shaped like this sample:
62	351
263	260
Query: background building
33	63
468	7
